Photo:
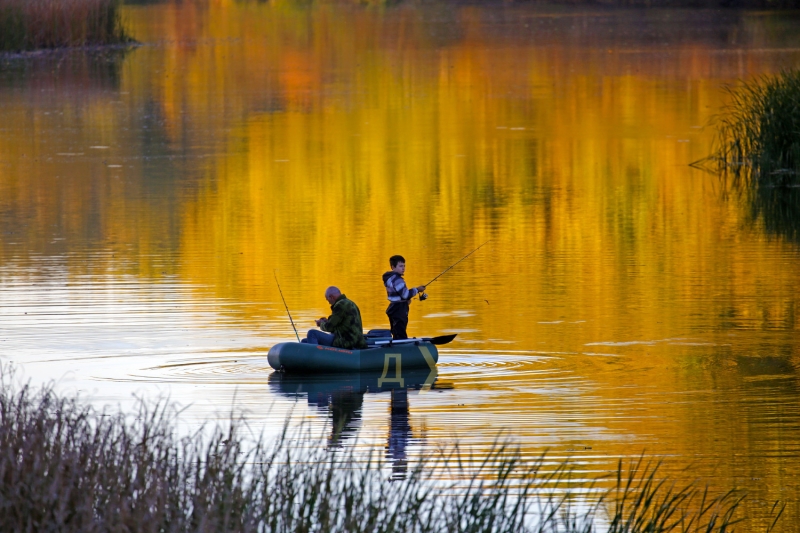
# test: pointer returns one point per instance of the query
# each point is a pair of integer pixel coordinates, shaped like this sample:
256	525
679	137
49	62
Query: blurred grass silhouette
67	467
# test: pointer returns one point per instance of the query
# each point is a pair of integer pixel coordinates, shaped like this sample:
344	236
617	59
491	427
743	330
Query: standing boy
399	295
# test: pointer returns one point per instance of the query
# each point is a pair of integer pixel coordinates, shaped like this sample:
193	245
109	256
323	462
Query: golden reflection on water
624	302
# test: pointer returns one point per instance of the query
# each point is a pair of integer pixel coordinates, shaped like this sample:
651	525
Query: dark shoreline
44	52
727	4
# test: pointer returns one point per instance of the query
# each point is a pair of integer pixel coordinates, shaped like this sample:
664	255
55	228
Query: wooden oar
442	339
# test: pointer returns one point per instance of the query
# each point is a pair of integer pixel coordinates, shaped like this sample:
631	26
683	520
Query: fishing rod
423	296
286	306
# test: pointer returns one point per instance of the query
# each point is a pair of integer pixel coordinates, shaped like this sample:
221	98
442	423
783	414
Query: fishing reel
423	296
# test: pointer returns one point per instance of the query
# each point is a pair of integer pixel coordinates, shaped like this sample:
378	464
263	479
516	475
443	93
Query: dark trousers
398	319
316	336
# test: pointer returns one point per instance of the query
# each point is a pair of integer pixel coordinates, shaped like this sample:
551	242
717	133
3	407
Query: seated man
343	326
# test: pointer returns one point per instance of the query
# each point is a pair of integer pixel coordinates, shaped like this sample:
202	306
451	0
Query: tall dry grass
34	24
66	467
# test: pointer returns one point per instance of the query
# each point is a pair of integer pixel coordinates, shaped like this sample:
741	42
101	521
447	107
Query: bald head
332	293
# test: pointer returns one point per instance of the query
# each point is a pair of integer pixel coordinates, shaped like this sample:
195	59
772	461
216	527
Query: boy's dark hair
396	259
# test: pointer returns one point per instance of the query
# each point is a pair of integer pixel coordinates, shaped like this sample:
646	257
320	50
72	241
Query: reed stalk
34	24
66	467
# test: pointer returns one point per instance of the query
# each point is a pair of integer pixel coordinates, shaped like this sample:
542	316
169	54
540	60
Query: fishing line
451	266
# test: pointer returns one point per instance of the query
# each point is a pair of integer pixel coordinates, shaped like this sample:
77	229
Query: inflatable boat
382	354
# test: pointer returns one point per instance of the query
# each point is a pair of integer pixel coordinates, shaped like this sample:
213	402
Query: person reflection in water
343	328
345	411
399	433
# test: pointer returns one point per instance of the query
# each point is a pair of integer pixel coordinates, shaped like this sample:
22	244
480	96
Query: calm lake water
626	303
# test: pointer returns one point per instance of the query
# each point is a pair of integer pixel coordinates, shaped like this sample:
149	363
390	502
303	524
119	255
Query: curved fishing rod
451	266
274	272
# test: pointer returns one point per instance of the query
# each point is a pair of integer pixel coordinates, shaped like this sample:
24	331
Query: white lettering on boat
398	378
426	354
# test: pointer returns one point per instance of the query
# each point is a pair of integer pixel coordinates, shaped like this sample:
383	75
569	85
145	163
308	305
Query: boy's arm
399	285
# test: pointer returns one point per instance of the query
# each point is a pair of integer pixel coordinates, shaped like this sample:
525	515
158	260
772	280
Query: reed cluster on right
67	467
758	136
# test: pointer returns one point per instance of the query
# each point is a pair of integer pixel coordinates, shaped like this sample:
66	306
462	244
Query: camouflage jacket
345	324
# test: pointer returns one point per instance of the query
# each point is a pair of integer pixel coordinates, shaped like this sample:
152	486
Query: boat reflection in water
341	397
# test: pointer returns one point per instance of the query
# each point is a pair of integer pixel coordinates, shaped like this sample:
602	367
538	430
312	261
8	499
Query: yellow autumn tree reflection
320	152
381	140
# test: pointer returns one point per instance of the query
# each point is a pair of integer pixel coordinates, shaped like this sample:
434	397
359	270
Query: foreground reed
65	467
34	24
759	133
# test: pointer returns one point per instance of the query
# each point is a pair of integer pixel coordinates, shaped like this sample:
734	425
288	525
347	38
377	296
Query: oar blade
443	339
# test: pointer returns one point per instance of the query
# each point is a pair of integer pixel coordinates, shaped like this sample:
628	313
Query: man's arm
332	322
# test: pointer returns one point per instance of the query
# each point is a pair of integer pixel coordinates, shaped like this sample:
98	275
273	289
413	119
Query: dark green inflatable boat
382	355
